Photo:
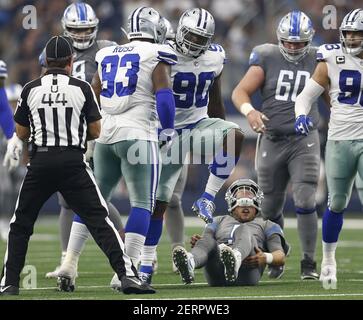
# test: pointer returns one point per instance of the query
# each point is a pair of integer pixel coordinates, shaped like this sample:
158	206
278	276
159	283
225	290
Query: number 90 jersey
127	97
192	80
345	74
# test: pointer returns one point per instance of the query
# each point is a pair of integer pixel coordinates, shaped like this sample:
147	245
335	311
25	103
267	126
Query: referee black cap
59	48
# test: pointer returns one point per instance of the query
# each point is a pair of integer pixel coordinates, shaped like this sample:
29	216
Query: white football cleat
67	278
328	276
232	261
184	261
53	274
115	283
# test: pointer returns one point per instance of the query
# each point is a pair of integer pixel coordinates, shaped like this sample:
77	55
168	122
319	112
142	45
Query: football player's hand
256	120
194	239
166	138
303	124
256	261
13	153
89	153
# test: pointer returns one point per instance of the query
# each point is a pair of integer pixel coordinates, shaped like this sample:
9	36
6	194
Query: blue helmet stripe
294	24
349	14
357	12
85	9
81	11
205	19
200	18
138	20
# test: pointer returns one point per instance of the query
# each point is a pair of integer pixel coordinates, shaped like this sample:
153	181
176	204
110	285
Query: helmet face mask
295	28
146	23
351	32
80	23
252	196
195	32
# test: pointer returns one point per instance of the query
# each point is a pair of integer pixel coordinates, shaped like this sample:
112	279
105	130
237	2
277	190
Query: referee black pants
64	171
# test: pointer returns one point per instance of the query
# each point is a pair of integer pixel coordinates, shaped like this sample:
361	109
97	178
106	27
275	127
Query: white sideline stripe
193	284
266	297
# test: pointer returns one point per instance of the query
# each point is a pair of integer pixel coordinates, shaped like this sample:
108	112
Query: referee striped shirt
57	108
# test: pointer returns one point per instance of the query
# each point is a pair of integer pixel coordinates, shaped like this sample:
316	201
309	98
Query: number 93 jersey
345	74
192	81
127	97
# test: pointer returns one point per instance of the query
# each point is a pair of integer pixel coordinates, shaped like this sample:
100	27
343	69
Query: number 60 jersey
346	98
127	97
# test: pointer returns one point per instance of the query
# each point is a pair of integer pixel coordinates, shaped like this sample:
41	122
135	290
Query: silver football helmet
80	23
146	22
170	33
244	185
353	21
295	27
194	32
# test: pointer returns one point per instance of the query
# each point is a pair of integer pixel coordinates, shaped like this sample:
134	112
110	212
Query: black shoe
65	284
9	291
308	269
131	285
276	272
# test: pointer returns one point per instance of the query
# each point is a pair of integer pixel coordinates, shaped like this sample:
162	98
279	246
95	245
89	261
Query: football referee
58	114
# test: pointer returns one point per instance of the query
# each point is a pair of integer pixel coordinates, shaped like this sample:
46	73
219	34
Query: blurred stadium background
240	25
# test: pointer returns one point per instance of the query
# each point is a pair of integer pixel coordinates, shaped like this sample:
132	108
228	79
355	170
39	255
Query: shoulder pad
166	54
327	50
259	52
105	43
217	48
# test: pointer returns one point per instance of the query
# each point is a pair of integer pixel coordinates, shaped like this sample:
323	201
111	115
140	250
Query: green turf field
95	273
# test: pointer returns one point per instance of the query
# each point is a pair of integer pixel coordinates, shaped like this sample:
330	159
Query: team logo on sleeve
340	59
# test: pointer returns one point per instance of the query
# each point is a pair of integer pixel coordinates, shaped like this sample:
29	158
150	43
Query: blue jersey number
187	89
350	87
110	64
332	46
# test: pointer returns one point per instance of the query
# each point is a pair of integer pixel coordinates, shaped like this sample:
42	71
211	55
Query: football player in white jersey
196	87
133	86
339	71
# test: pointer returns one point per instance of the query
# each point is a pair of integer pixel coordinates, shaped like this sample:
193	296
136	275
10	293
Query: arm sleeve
165	106
307	97
275	239
274	243
91	108
6	115
22	111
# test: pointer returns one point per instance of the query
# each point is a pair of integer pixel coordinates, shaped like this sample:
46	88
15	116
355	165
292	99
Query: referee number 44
52	98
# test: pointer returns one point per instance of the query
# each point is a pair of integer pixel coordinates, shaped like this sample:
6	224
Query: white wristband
269	257
246	108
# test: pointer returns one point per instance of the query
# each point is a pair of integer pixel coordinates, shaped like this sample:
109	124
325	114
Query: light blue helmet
146	23
76	18
244	185
195	32
353	21
296	26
